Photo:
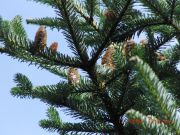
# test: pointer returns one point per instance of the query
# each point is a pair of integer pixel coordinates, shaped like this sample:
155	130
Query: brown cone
143	42
40	40
107	59
160	57
110	15
73	76
128	46
54	47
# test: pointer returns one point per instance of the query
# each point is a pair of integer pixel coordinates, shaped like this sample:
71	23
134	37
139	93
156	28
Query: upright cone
110	15
73	76
107	59
160	56
54	47
40	40
143	43
128	46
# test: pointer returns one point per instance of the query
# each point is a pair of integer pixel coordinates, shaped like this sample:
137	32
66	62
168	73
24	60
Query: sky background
21	116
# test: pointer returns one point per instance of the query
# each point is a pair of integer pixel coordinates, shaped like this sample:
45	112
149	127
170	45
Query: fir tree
138	80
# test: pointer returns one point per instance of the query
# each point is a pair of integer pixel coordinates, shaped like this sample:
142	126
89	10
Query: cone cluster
40	42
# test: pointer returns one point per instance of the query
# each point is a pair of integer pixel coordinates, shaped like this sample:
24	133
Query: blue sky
21	116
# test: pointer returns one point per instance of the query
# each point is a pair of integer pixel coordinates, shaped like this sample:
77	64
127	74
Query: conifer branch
113	78
54	123
47	21
124	87
107	94
173	6
66	11
167	19
61	95
125	32
163	40
114	117
173	53
161	9
91	4
89	20
106	3
159	92
110	33
152	123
